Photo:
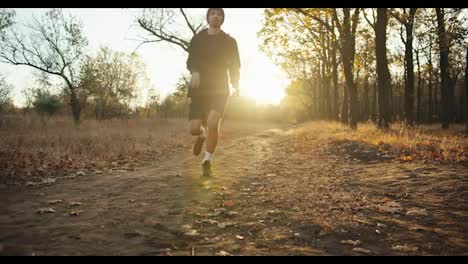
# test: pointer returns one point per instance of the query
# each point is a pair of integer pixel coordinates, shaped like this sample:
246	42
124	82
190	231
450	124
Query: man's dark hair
213	9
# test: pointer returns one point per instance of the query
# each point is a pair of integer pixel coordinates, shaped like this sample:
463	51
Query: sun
265	84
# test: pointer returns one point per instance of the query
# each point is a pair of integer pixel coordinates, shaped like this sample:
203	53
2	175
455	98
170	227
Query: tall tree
346	21
446	81
406	18
112	76
383	73
466	90
54	45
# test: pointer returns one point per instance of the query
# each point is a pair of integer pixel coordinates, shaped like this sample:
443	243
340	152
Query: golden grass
30	147
422	142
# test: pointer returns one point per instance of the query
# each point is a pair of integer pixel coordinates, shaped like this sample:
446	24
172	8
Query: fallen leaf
390	207
418	228
213	240
351	242
228	203
55	201
227	224
297	209
223	253
240	237
48	180
232	213
208	221
75	213
192	232
186	227
406	158
80	173
45	210
362	250
220	210
405	248
417	211
272	212
71	204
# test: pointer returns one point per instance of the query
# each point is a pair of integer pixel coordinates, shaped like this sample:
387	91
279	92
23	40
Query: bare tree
112	76
406	18
345	22
55	45
161	25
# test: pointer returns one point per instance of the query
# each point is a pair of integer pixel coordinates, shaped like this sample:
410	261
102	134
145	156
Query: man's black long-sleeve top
213	56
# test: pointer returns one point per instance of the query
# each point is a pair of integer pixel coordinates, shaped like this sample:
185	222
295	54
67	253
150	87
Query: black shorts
200	106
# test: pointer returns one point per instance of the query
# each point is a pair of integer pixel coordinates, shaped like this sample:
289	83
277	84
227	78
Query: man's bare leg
197	130
213	128
211	141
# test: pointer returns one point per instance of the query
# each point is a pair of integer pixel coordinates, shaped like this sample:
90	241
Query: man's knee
195	132
195	128
213	120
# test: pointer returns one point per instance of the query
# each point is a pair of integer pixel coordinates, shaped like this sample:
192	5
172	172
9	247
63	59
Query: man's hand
195	80
236	89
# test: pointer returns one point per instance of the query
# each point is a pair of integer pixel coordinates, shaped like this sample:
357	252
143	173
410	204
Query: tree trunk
436	99
383	74
345	106
347	51
419	88
326	87
75	106
365	112
409	91
465	112
335	84
374	103
366	98
446	85
431	107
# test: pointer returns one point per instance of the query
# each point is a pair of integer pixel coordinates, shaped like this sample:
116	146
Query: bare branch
318	19
194	31
368	21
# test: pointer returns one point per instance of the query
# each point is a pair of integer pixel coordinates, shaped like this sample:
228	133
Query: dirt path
270	196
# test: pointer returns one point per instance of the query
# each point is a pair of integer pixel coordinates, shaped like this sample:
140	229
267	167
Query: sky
116	28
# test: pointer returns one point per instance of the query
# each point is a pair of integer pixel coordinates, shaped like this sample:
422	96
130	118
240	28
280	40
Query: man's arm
234	66
192	60
192	64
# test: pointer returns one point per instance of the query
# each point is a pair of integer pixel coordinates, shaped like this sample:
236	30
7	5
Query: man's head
215	17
